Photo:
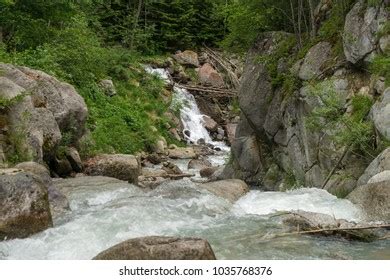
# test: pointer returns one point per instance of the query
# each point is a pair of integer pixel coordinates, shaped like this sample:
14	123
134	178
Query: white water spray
190	115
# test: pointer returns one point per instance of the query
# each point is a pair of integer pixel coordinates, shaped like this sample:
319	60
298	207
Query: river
106	214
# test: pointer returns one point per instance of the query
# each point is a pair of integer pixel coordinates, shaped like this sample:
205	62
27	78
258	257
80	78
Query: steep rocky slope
307	119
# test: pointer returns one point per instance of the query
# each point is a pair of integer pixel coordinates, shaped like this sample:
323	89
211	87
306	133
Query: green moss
5	103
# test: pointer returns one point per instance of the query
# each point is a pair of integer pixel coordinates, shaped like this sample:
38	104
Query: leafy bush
353	130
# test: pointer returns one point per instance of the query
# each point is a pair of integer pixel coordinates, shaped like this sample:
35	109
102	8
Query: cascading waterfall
190	114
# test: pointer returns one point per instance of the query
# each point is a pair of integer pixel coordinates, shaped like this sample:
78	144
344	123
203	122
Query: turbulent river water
106	214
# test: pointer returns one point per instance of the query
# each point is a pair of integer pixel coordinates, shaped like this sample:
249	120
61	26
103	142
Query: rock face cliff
38	114
275	145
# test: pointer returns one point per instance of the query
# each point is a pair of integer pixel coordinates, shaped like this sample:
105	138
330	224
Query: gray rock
374	199
59	203
182	153
208	76
199	164
380	177
108	87
315	60
187	58
362	25
378	165
384	43
380	113
210	124
24	204
49	109
171	168
37	169
159	248
231	131
232	189
207	172
122	167
74	159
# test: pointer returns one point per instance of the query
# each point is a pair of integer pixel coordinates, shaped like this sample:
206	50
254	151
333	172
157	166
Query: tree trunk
313	31
294	23
135	25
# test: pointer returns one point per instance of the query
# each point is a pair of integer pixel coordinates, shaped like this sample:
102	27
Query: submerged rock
374	199
171	168
159	248
122	167
24	204
231	189
301	221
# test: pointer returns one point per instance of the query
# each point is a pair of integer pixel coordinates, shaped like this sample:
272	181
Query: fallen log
171	176
330	231
345	231
225	92
224	64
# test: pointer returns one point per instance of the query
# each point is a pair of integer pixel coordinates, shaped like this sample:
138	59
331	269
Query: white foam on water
305	199
191	116
159	72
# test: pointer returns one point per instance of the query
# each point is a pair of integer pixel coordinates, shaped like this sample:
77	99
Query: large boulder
315	60
380	164
374	199
199	164
380	177
231	189
210	124
208	76
182	153
37	169
380	113
44	109
122	167
207	172
187	58
24	204
362	26
159	248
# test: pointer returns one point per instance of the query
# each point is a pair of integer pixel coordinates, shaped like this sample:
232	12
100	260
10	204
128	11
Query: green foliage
245	19
5	103
161	25
19	151
75	54
373	3
282	79
291	181
353	129
380	66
